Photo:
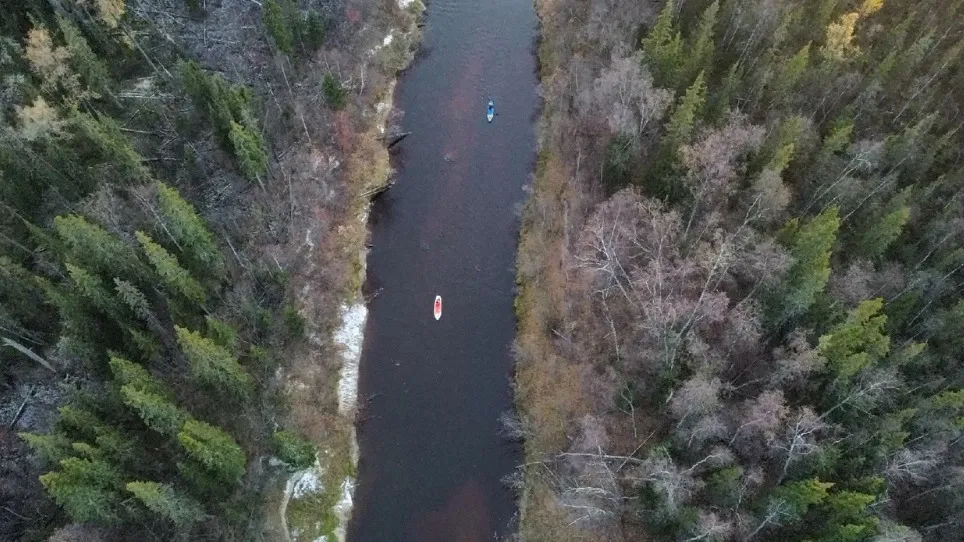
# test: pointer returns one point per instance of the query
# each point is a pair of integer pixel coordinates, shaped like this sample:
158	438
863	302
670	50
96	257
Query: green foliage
214	365
795	498
86	489
222	333
214	449
128	373
115	147
53	447
663	48
880	234
810	245
177	279
681	121
294	322
661	178
293	449
249	150
335	94
167	502
277	27
723	486
700	55
92	247
157	412
857	342
190	233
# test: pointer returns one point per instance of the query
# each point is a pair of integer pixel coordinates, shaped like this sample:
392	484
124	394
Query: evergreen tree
810	245
249	150
175	277
157	412
214	449
858	342
167	502
86	489
663	48
128	373
212	364
92	247
881	233
700	56
294	450
190	233
277	26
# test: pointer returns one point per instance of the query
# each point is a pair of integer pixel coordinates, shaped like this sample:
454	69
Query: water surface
431	456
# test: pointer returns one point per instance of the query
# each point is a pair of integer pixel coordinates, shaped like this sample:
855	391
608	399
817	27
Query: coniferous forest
741	272
167	171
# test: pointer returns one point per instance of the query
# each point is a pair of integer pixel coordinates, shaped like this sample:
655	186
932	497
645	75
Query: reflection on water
431	457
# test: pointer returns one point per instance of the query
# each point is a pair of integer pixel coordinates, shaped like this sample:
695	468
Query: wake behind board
438	307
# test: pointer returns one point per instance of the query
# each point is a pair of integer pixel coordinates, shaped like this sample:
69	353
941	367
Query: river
432	391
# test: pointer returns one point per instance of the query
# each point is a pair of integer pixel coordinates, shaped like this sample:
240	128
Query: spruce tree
86	489
155	410
175	278
214	365
857	342
190	233
250	152
810	245
92	247
277	26
167	502
700	56
214	449
663	48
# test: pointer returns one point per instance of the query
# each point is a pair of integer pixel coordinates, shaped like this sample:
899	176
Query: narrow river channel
431	454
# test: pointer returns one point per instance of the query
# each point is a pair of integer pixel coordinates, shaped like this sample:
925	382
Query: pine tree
190	233
128	373
881	233
660	178
85	488
790	75
810	245
115	147
294	450
679	128
93	289
277	27
88	65
167	502
175	277
249	150
700	55
133	298
212	364
92	247
53	447
157	412
858	342
214	449
663	48
797	497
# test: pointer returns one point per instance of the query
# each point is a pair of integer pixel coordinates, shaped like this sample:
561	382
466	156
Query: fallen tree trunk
394	139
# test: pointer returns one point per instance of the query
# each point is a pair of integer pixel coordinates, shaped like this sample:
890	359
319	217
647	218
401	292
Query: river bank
316	503
555	385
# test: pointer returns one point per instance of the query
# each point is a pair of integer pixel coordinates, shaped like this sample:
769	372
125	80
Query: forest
180	186
740	273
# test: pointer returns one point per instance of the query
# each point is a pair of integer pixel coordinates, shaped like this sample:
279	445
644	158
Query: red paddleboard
438	307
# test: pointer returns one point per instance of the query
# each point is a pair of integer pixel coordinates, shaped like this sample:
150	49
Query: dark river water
431	454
